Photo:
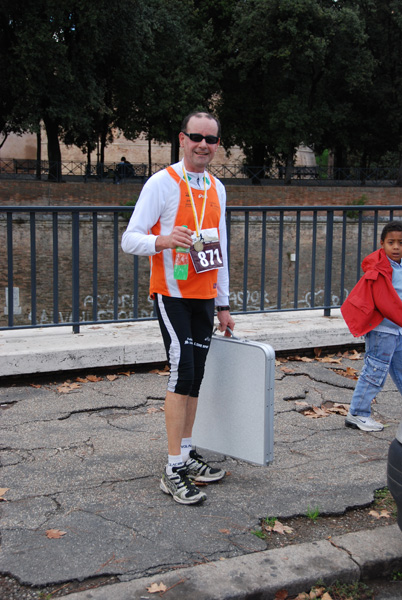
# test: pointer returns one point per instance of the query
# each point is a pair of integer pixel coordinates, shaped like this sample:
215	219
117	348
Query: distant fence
63	266
30	169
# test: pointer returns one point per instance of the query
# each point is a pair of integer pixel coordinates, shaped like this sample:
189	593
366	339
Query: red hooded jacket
373	298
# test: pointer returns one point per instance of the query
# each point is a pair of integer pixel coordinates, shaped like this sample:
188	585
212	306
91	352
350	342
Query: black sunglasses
197	137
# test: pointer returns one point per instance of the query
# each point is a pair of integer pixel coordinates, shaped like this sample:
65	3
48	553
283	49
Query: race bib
210	257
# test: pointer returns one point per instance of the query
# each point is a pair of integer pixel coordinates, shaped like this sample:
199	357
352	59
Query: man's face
197	155
393	245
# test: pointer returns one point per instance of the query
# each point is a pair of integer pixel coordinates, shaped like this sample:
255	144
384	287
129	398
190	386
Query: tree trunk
53	149
289	167
38	154
149	156
399	175
255	170
174	149
340	170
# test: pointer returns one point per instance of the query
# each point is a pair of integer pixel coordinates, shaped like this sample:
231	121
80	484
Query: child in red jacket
374	309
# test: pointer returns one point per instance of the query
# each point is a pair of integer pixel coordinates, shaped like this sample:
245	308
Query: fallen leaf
281	528
287	370
55	534
354	356
340	409
301	403
330	359
317	351
222	530
111	377
67	387
378	515
278	527
81	379
314	412
154	588
94	378
352	373
281	595
126	373
326	596
319	591
303	358
349	372
35	385
2	492
153	409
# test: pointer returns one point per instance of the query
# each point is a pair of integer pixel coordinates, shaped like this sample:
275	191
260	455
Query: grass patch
313	513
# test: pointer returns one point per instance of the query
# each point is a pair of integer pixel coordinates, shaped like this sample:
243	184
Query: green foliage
270	521
313	513
258	533
354	214
278	73
127	214
383	500
350	591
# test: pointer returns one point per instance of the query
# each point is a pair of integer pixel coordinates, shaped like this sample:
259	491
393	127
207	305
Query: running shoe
180	487
363	423
199	470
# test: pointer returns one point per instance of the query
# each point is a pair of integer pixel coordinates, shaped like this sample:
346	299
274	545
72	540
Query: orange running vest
201	285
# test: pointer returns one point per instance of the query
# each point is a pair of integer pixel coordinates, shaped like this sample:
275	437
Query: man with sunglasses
184	206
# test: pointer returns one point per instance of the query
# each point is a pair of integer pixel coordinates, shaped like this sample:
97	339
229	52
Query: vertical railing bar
136	287
297	261
328	263
359	247
33	266
228	230
75	215
95	266
263	252
343	256
115	265
245	267
10	269
375	230
280	260
313	259
55	268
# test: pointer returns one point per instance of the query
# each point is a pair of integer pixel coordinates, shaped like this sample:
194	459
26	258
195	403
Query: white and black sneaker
363	423
180	487
199	470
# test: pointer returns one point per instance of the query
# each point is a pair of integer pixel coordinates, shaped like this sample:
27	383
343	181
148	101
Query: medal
198	246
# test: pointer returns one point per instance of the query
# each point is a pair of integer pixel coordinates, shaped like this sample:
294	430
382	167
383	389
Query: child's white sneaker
363	423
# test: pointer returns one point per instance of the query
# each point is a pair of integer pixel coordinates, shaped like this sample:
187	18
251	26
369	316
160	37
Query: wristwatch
219	308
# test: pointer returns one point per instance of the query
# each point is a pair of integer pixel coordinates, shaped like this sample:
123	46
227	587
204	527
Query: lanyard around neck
198	224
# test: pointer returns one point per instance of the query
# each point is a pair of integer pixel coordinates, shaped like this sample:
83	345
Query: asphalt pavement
82	454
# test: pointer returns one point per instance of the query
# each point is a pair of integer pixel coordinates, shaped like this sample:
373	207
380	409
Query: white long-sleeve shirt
159	202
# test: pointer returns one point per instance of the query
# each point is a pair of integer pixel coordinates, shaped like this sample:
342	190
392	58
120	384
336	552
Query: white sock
186	446
174	461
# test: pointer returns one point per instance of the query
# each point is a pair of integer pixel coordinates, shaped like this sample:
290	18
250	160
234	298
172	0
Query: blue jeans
383	354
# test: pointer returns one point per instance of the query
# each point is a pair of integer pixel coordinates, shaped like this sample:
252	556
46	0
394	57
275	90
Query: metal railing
30	169
63	266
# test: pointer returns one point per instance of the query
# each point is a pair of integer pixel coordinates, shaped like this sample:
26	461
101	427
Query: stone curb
347	558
